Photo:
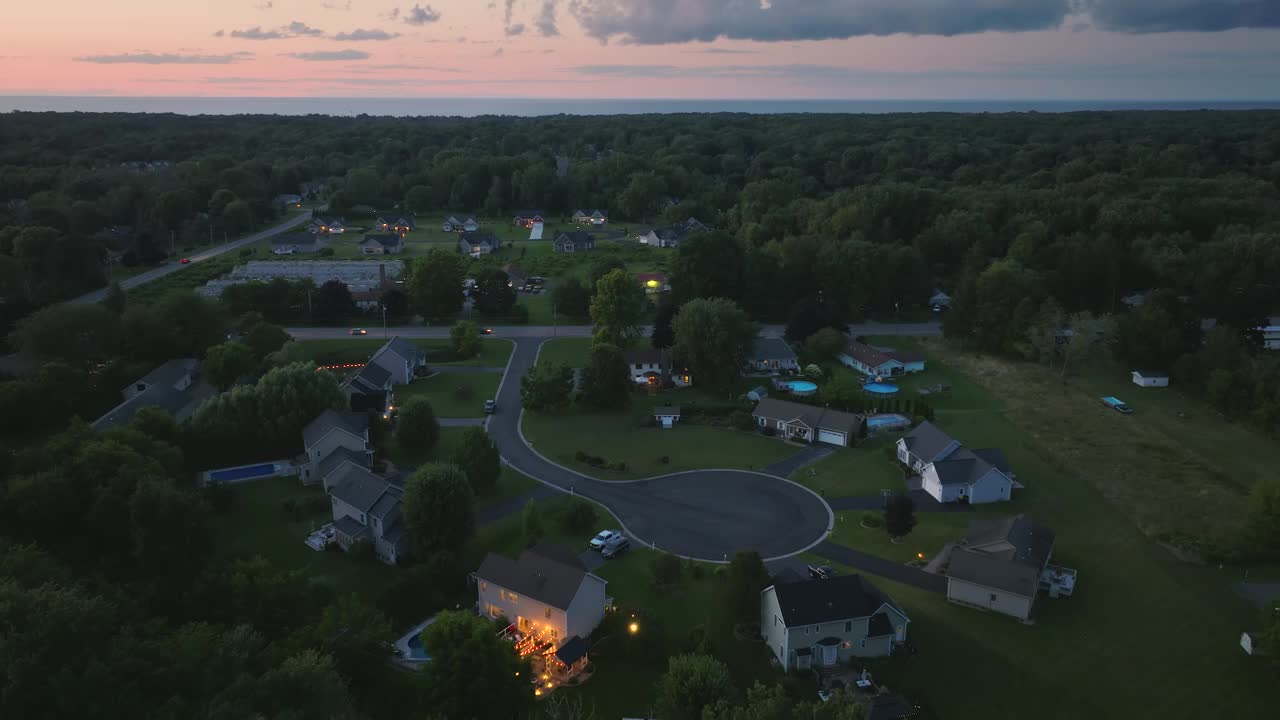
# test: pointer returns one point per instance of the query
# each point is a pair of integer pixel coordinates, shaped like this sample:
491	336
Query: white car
605	536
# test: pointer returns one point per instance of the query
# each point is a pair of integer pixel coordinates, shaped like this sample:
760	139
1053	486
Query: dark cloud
360	34
545	22
257	33
420	15
301	29
327	5
293	29
1155	16
331	55
165	59
514	30
723	51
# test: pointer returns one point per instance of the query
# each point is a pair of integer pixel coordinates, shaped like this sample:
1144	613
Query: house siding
495	600
333	440
992	487
1001	601
784	641
773	628
586	611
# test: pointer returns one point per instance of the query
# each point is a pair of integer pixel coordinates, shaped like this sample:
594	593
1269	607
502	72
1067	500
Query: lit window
512	597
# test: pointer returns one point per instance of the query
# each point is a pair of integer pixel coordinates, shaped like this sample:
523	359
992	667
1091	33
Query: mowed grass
494	352
864	470
565	351
453	395
621	437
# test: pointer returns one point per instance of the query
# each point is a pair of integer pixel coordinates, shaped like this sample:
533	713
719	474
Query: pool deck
402	645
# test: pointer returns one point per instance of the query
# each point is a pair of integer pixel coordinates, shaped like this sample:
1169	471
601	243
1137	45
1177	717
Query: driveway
703	514
879	566
806	456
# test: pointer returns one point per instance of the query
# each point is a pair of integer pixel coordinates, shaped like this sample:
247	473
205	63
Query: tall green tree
479	459
439	509
531	523
226	363
899	516
691	684
493	294
473	674
464	339
617	309
709	265
546	386
606	381
74	333
434	284
417	430
571	298
714	337
333	301
115	299
747	576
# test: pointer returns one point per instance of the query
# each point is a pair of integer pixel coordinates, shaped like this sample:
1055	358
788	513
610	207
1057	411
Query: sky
696	49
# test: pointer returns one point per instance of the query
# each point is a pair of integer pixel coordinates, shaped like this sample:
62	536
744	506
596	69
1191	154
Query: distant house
1000	565
401	358
773	354
516	276
399	224
366	508
654	367
327	226
296	244
950	472
460	223
693	225
591	217
808	423
1150	378
939	301
574	241
653	282
388	244
1271	334
332	441
667	415
478	243
546	593
879	363
526	218
174	387
665	237
1251	643
284	201
814	624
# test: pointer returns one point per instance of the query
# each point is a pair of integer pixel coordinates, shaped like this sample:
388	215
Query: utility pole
171	243
384	322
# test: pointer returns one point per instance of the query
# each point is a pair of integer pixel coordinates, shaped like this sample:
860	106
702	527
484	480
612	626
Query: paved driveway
879	566
704	514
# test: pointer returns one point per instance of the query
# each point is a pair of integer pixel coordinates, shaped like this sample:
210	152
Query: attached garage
832	437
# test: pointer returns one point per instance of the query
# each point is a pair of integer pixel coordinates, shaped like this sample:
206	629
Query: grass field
494	352
566	351
453	395
863	470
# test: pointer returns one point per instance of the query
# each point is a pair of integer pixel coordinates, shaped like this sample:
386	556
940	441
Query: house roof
460	218
644	356
162	392
405	349
814	417
547	573
572	651
354	423
348	525
294	239
338	457
476	238
577	237
927	441
361	489
525	214
665	410
838	598
589	213
385	240
772	349
388	504
1006	554
172	372
395	219
872	357
1151	374
371	378
995	457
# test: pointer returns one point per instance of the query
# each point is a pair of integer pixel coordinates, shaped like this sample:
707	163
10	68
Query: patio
552	667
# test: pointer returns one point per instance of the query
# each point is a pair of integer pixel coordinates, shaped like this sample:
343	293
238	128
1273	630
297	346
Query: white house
591	217
951	472
366	508
546	593
879	363
331	441
460	223
667	415
1150	378
653	367
1000	566
822	623
1271	334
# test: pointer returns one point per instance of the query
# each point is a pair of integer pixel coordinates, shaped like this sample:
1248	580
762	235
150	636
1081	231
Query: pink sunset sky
897	49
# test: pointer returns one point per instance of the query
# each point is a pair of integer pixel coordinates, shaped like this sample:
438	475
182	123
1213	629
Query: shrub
578	517
325	252
871	519
619	466
667	570
768	431
246	252
665	460
580	456
741	420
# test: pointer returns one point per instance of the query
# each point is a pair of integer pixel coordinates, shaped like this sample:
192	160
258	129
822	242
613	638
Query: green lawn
932	531
620	437
863	470
494	352
453	395
567	351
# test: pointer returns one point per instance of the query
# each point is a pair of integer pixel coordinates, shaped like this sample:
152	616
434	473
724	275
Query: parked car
821	572
490	406
359	331
615	547
598	542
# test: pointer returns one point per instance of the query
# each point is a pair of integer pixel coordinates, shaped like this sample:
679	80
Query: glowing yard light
633	628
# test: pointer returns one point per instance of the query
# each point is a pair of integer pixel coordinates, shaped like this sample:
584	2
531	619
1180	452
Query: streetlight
633	628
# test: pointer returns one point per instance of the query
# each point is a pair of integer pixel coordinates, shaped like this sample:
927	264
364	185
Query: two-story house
366	508
478	243
574	241
383	244
370	389
332	440
655	367
175	387
591	217
950	472
527	218
327	226
401	358
460	222
546	592
822	623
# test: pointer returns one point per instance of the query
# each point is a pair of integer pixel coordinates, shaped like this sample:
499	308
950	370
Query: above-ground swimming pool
800	387
879	423
242	473
880	389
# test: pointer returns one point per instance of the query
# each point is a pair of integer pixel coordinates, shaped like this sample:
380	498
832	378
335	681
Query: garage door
831	438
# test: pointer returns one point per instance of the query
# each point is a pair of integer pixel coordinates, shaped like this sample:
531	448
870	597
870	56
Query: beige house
546	592
822	623
1002	566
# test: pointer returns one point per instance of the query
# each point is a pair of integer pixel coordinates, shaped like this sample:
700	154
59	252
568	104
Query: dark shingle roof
814	417
772	349
819	601
354	423
478	237
572	651
547	573
340	455
529	213
994	457
927	441
1006	554
403	348
359	488
872	357
388	504
644	356
348	525
385	240
667	410
161	392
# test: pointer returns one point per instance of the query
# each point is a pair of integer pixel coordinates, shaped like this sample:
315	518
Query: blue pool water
879	421
416	651
242	473
881	389
800	387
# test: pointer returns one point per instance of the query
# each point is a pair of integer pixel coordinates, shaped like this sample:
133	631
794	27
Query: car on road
615	547
490	406
604	536
359	331
821	572
185	261
486	331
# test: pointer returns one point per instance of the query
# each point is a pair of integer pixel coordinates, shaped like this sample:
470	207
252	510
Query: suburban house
327	226
950	472
796	421
772	354
386	244
1001	565
517	277
460	223
527	218
399	224
822	623
1271	334
370	389
401	358
1150	378
332	441
295	243
546	593
653	282
366	508
174	387
654	367
692	225
666	416
939	301
574	241
591	217
666	237
879	363
282	201
478	243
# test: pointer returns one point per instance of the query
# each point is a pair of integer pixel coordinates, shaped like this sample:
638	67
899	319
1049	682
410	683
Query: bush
667	570
768	431
618	466
580	456
325	252
741	420
665	460
578	517
246	252
871	519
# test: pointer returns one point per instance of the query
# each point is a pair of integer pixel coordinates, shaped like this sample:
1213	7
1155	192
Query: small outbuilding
667	416
1150	378
1251	644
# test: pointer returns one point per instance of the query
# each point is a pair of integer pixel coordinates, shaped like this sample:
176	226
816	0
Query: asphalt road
175	266
541	332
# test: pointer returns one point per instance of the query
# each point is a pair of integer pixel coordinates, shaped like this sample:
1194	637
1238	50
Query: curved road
701	514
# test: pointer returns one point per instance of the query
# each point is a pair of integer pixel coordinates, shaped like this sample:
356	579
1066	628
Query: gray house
950	472
366	508
370	389
175	387
1001	565
296	243
332	441
384	244
546	592
478	243
401	358
822	623
591	217
460	222
574	241
807	423
773	354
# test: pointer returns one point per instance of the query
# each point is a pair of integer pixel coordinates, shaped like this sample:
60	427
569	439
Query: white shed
666	416
1150	378
1249	643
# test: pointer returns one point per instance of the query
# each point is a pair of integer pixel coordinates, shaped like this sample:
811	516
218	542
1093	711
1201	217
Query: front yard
864	470
453	394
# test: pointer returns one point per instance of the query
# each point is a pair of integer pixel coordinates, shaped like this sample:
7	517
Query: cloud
335	5
508	9
1156	16
723	51
546	20
497	53
165	59
220	33
265	5
360	34
257	33
331	55
301	29
514	30
407	66
419	15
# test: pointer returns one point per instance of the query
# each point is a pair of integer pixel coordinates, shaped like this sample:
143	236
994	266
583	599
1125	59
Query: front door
830	654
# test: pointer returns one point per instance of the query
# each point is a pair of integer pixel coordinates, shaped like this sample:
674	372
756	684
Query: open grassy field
621	437
494	352
864	470
453	395
566	351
